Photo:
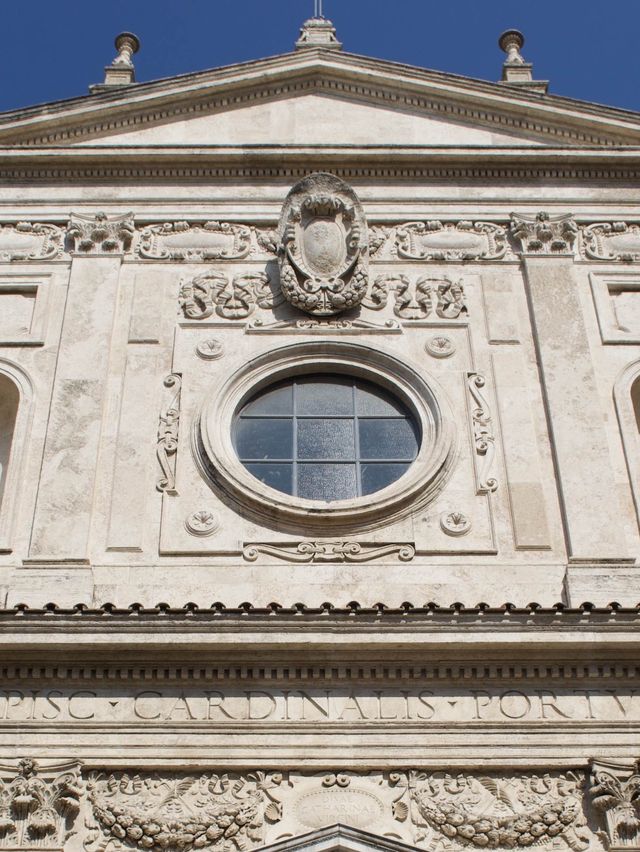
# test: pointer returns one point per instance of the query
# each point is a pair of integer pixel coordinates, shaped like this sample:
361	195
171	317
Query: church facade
320	461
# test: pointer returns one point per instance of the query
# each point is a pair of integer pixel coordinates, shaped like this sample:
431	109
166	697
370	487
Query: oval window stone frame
421	483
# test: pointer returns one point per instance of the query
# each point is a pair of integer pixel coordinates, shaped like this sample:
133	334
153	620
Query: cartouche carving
452	241
100	234
544	234
615	792
323	252
612	241
168	434
38	806
329	551
27	241
482	433
499	812
187	242
229	297
183	811
416	301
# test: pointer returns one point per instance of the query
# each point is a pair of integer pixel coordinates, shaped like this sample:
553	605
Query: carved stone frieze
168	434
323	252
477	811
182	811
453	241
416	300
100	234
484	439
612	241
544	234
323	326
188	242
615	793
329	551
31	241
230	297
38	806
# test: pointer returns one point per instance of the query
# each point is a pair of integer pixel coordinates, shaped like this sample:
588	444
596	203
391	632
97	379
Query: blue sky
56	50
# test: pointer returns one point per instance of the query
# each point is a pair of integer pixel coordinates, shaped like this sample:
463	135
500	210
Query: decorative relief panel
615	792
323	252
27	241
464	240
100	234
544	234
418	298
168	434
482	433
612	241
229	296
38	808
185	242
329	551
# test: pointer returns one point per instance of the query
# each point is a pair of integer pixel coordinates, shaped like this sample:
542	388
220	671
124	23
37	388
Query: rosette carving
501	812
322	246
185	812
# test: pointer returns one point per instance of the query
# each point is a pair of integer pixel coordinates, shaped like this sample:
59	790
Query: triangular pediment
338	838
319	97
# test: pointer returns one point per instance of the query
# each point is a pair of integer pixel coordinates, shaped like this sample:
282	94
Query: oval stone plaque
357	808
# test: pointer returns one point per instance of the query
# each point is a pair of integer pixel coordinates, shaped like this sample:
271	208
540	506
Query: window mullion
356	442
294	452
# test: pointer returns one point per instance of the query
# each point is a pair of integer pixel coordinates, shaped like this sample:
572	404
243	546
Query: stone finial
121	71
516	71
318	32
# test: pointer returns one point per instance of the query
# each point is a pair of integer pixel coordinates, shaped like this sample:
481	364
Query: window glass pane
377	476
373	401
276	401
278	476
326	439
264	439
328	397
327	481
387	439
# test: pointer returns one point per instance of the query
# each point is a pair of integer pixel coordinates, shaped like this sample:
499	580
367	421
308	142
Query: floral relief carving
544	234
612	241
329	551
416	301
455	523
188	242
27	241
484	439
101	234
322	251
38	806
230	297
615	792
167	445
500	812
202	523
453	241
183	812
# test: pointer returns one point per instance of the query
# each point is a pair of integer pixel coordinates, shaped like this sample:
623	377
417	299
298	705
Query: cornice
381	82
268	162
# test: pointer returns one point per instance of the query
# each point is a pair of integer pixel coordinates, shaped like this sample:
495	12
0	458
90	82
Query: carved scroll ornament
185	812
323	253
329	551
230	297
417	300
38	807
27	241
451	241
612	241
186	242
168	434
482	433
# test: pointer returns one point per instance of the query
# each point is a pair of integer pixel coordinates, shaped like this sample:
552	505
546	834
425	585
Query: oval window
326	437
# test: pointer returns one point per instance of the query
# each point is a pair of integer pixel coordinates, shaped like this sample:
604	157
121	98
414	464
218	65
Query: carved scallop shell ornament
322	246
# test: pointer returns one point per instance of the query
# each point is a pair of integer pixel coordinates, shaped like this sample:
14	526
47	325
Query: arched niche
16	398
626	396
